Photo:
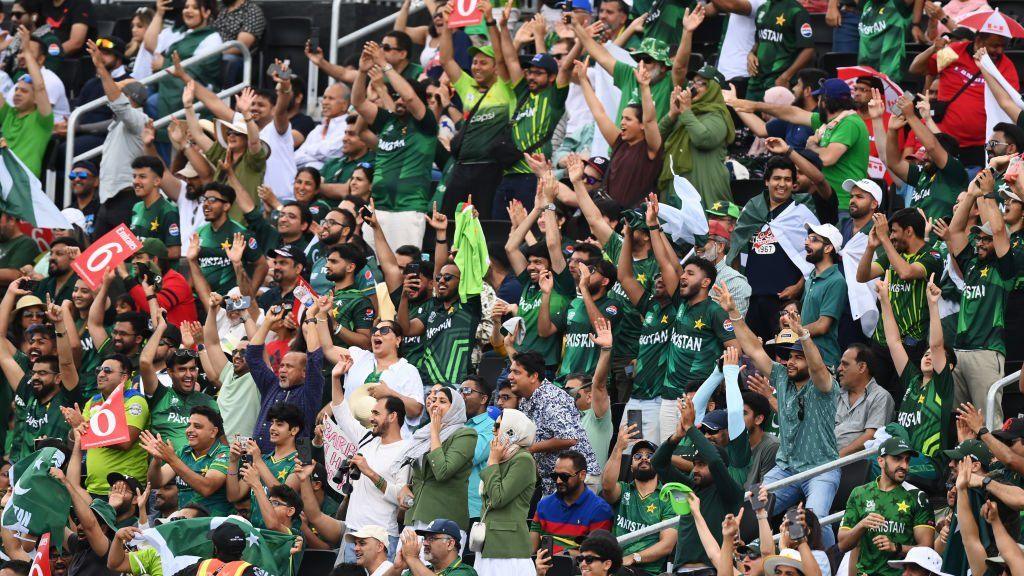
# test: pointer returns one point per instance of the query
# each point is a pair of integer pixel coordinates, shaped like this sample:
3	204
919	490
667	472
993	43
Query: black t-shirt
303	123
62	18
84	561
116	210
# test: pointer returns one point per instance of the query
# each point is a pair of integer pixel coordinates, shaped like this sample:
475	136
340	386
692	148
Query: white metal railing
794	479
990	402
337	43
70	158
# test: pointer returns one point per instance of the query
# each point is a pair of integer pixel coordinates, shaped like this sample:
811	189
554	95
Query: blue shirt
306	396
569	524
484	426
795	135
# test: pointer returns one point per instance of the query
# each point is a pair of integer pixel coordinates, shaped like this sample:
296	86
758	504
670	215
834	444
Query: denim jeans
816	492
651	410
846	38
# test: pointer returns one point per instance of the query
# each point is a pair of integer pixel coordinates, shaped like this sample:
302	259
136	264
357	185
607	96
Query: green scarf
711	102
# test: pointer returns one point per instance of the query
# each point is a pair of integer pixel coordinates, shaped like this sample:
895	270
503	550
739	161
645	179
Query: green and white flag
687	224
22	195
39	503
185	542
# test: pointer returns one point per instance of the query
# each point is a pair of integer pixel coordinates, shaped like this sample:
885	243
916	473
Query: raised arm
820	374
600	54
956	234
749	343
609	131
634	291
691	21
509	54
652	135
598	226
42	101
156	25
991	215
791	114
188	100
1003	98
446	51
146	370
518	235
94	321
339	73
890	328
601	401
363	105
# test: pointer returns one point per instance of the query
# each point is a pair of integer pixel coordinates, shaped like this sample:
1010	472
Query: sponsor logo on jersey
805	30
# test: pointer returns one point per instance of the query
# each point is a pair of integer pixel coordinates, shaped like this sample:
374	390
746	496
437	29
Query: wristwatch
985	482
387	68
636	558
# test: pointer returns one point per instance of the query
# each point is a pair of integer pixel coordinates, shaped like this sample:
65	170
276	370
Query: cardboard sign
41	562
108	424
336	449
465	13
105	254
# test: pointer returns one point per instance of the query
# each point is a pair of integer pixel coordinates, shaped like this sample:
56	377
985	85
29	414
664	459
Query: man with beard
84	178
825	293
16	249
989	272
407	139
208	254
165	501
38	401
338	227
441	544
573	511
865	198
354	154
60	280
237	396
884	519
719	493
940	177
714	251
170	406
129	331
153	216
289	267
199	466
164	285
353	312
638	504
806	395
863	406
862	93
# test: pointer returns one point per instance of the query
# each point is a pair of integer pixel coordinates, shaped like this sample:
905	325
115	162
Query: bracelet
151	297
387	68
61	334
440	241
805	336
606	348
736	319
235	473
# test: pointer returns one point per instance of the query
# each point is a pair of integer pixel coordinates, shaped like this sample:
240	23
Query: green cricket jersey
413	347
450	333
627	333
903	510
633	512
215	460
339	170
535	117
159	220
34	419
883	30
982	317
405	157
580	354
625	80
529	311
666	17
169	411
699	334
1017	248
489	121
927	409
653	350
280	468
213	256
910	297
783	31
851	131
936	193
352	309
133	462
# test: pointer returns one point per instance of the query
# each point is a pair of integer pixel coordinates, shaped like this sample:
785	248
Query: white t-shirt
190	217
55	91
738	42
382	569
367	505
401	377
281	169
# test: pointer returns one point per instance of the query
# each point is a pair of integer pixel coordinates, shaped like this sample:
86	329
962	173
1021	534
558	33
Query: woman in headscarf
506	485
697	131
441	458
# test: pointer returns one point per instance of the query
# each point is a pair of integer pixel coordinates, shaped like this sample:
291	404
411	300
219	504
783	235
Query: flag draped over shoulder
185	542
22	196
788	228
39	503
993	112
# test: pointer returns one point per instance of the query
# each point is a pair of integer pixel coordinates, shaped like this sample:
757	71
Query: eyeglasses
994	143
278	503
382	330
107	370
467	390
558	56
120	333
166	342
18	15
329	222
504	397
186	353
561	476
437	537
206	199
79	175
446	277
642	456
587	559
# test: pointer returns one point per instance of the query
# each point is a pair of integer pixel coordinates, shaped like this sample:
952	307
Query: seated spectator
573	511
84	177
372	546
240	20
442	540
220	247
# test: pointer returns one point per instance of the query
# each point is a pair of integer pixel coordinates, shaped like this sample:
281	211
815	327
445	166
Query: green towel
470	248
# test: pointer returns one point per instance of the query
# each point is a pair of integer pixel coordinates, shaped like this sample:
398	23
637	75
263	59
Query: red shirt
965	118
175	296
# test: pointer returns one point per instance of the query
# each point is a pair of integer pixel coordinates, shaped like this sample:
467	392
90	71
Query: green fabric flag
185	542
470	247
788	227
22	196
39	503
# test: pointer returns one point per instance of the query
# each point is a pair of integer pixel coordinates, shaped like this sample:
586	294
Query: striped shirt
569	524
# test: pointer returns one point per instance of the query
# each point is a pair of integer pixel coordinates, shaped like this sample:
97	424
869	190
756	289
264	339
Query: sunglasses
467	390
382	330
587	559
642	456
34	314
647	60
750	554
107	370
387	48
186	353
105	43
76	175
447	277
18	15
561	476
590	180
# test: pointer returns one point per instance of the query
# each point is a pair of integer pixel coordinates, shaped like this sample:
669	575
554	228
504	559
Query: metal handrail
794	479
990	401
347	39
70	158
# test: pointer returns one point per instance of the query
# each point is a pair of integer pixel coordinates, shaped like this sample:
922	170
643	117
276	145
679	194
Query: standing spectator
324	142
863	407
507	487
71	20
783	45
238	398
573	511
825	293
55	90
764	446
240	20
883	31
84	178
477	398
715	251
153	216
27	121
222	241
883	519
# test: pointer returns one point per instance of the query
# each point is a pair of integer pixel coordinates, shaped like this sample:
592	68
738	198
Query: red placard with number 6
107	253
108	424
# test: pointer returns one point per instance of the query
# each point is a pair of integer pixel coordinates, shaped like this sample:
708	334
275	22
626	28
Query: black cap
291	252
643	444
600	163
115	477
88	165
228	539
113	45
1012	429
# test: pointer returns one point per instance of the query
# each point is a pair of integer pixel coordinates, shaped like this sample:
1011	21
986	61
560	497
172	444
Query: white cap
369	531
787	557
828	232
866	184
75	217
922	557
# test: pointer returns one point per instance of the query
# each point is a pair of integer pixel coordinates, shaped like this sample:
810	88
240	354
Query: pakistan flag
39	503
185	542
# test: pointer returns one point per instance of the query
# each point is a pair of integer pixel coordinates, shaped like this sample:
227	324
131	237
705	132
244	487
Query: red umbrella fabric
993	22
892	90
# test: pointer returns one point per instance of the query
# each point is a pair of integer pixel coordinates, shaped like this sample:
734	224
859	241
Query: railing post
333	50
993	393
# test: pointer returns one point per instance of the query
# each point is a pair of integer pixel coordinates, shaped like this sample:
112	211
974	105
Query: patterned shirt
807	420
556	416
246	18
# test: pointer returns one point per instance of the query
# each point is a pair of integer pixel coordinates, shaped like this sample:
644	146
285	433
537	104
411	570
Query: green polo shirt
214	460
457	568
811	440
825	295
339	170
158	220
18	252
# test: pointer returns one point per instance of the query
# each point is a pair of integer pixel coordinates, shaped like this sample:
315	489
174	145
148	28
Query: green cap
971	448
154	247
720	208
896	446
654	48
709	72
486	50
675	494
105	512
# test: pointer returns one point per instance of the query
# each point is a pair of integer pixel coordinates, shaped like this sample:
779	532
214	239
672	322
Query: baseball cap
112	45
442	526
578	5
545	62
720	208
189	171
866	184
1009	194
922	557
709	72
1012	429
372	531
786	557
138	93
115	477
828	232
228	538
985	229
486	50
88	165
153	247
292	253
643	444
599	163
971	448
717	228
896	446
833	88
716	420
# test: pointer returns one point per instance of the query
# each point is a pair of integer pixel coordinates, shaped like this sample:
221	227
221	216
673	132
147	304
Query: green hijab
711	102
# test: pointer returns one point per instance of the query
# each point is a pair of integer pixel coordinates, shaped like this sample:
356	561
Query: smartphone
548	542
29	284
275	70
304	450
314	38
567	12
755	502
635	418
365	213
796	528
242	303
412	267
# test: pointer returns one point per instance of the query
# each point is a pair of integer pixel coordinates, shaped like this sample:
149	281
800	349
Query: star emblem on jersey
699	324
920	399
282	475
641	278
902	507
664	319
225	245
781	20
984	272
154	224
651	508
